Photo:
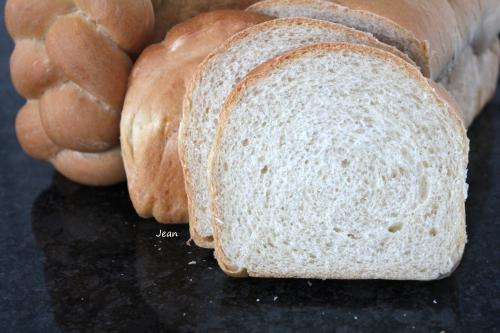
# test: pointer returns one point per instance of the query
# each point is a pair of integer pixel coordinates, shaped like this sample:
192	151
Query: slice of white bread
215	79
339	161
453	42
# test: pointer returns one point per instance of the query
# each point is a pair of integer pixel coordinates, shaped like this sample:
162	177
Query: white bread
454	42
153	107
215	78
339	161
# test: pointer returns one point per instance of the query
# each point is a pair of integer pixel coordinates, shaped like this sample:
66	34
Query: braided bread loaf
71	62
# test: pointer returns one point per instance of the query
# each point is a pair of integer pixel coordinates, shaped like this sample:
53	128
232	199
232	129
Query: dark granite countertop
74	259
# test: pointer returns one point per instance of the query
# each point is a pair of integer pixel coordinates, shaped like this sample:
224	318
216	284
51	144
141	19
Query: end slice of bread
215	79
339	161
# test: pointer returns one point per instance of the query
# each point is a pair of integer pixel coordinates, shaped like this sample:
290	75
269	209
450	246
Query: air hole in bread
225	166
345	163
353	236
244	143
433	232
264	170
395	227
423	189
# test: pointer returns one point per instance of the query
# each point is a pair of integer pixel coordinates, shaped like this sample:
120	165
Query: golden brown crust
139	14
102	169
265	69
171	12
31	70
153	107
72	119
31	134
92	169
72	56
89	59
32	18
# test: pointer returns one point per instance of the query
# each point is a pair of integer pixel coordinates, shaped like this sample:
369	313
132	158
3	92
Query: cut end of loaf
339	161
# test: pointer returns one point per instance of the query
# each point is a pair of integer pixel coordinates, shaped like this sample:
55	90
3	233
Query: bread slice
460	52
339	161
213	82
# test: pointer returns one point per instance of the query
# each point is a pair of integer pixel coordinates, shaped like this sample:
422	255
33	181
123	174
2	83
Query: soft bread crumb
365	170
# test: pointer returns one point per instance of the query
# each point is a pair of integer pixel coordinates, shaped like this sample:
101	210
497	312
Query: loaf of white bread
264	223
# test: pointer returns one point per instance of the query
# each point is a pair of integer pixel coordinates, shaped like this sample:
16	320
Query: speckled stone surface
78	259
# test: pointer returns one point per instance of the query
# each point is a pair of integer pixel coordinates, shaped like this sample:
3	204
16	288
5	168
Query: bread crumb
435	301
192	263
275	298
309	283
258	300
355	318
